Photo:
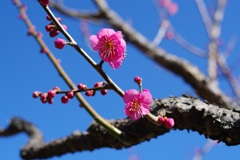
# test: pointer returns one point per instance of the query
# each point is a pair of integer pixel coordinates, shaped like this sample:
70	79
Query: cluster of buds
46	97
167	122
92	91
52	28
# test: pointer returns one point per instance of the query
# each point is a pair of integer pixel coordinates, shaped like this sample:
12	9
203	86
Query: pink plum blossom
110	45
137	103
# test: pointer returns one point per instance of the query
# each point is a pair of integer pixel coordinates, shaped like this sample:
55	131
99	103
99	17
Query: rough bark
189	113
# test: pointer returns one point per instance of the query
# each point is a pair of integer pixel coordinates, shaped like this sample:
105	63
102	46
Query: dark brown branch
189	113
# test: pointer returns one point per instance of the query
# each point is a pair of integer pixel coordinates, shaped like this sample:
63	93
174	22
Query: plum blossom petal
105	32
145	109
94	41
116	64
123	44
129	95
119	34
145	97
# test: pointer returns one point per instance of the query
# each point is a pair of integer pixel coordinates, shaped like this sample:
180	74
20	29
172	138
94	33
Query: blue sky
25	70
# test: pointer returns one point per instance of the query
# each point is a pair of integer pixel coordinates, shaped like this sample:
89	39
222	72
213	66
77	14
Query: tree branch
188	113
18	125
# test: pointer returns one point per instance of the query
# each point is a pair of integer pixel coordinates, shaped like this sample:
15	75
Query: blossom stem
101	63
140	87
113	130
152	118
83	53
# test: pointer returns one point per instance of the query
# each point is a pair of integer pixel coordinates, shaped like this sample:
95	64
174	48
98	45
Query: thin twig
188	46
204	15
161	32
228	74
230	46
214	36
205	149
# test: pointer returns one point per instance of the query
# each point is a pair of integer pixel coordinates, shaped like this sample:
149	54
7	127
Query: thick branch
189	113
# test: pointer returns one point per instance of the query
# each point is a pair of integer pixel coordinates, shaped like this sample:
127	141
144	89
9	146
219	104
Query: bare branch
228	74
161	32
188	113
230	46
188	46
214	36
204	150
204	15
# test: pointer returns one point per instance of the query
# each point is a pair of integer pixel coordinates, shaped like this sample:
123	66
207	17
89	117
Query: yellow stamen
109	45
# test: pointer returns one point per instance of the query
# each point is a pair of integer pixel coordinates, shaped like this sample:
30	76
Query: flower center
109	45
134	105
